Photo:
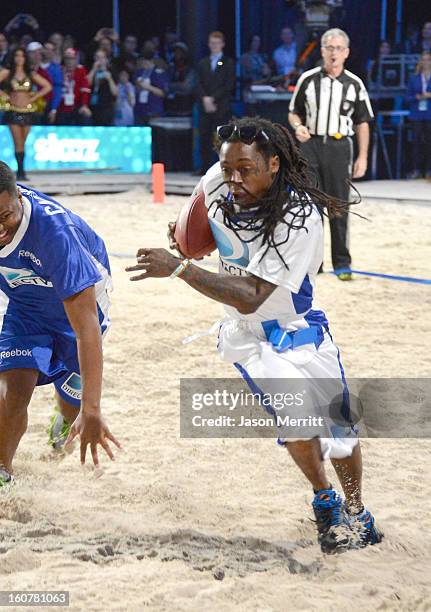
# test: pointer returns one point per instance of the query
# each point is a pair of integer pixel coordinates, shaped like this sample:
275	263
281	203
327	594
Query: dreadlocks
291	191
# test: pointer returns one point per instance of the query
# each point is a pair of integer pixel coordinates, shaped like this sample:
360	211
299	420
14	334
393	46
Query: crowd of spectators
384	75
106	82
130	81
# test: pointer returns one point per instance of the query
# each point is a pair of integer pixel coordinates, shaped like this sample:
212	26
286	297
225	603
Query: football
193	232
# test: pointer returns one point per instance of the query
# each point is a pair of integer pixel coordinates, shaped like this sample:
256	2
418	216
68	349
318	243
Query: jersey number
51	208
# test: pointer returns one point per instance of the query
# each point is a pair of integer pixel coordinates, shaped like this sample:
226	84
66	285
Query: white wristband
181	268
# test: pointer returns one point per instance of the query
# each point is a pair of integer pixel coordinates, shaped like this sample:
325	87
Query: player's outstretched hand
153	263
92	430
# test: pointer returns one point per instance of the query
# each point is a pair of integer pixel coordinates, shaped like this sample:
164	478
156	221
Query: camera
317	13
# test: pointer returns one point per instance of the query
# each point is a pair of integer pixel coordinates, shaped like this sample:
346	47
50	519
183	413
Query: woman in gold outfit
19	99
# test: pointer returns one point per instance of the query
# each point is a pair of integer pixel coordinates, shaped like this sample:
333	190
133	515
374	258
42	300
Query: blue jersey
54	255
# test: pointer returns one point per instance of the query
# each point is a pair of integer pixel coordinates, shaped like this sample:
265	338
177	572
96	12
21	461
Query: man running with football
264	215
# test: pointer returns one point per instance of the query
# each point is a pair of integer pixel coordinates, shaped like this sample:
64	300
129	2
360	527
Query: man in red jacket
74	109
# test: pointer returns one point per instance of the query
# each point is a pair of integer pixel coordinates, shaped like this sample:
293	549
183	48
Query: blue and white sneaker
365	525
6	479
335	533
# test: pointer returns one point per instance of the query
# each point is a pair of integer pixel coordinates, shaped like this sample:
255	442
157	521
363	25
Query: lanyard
424	83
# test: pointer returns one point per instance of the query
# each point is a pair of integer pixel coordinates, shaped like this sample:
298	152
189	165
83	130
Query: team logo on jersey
31	256
230	247
22	276
72	386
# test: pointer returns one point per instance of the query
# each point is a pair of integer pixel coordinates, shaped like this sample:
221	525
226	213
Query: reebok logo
30	256
16	353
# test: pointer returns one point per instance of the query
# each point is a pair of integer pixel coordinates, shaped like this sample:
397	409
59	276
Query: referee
329	106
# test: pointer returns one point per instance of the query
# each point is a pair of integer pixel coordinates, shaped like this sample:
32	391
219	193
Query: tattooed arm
245	293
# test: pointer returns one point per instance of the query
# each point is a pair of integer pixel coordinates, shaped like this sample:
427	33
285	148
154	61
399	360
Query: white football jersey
290	302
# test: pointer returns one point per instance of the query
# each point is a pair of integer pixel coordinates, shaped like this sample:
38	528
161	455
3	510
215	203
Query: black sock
19	156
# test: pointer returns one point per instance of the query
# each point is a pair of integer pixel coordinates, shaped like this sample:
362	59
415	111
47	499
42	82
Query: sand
165	523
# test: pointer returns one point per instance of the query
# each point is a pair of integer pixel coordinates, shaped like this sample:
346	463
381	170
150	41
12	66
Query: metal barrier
382	129
393	72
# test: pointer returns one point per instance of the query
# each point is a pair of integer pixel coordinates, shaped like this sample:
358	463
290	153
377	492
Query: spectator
74	106
411	39
4	50
23	28
285	55
48	54
170	40
125	100
97	43
4	61
130	64
69	42
105	44
24	41
152	85
20	80
388	75
35	58
130	46
155	41
104	90
425	42
128	56
253	63
216	83
182	82
56	77
57	40
419	97
151	45
384	49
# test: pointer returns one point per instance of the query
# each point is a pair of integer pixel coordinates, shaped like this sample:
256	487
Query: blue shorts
47	346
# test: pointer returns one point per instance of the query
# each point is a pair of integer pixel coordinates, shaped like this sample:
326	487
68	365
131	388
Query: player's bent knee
16	389
12	404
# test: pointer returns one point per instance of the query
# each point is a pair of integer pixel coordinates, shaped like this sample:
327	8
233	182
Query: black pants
103	114
208	123
421	150
72	118
330	161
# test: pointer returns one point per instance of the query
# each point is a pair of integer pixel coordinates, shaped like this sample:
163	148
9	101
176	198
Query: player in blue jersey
54	277
268	230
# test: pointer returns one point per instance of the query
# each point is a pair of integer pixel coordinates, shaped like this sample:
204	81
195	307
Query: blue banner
122	149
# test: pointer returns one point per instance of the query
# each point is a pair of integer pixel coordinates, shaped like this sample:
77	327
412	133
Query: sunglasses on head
246	133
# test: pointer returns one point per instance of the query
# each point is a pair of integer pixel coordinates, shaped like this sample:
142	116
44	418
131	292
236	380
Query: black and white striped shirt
331	106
